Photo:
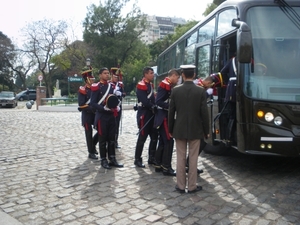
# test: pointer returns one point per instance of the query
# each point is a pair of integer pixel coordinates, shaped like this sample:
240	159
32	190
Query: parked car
21	96
8	99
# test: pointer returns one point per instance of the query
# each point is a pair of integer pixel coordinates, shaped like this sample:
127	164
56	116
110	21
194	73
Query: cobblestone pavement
46	178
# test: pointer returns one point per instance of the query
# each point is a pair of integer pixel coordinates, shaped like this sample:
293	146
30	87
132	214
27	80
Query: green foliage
115	37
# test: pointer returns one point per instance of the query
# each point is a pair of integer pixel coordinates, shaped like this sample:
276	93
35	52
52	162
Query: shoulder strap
104	96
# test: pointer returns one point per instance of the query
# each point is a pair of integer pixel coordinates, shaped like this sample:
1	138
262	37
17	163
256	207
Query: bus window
224	21
180	54
207	31
203	56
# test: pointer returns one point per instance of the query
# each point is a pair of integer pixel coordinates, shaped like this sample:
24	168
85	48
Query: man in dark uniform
105	120
87	112
227	75
145	117
116	79
163	156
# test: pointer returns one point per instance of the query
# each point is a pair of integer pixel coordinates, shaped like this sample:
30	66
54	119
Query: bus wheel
219	149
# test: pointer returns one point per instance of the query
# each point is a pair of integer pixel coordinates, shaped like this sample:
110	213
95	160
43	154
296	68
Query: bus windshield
274	73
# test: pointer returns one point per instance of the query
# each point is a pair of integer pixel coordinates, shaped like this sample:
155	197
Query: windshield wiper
289	12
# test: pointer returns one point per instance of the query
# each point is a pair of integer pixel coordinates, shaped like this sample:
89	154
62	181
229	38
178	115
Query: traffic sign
75	79
40	77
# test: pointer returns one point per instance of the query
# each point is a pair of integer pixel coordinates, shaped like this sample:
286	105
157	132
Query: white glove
117	88
117	93
118	108
106	108
209	91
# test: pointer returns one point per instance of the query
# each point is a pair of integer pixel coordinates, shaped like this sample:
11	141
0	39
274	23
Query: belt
158	107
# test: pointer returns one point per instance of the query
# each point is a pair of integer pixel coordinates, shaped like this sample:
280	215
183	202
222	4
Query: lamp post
88	62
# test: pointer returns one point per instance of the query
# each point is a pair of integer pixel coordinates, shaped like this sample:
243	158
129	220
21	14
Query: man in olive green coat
188	123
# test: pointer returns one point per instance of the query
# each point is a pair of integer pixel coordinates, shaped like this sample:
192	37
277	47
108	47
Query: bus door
204	69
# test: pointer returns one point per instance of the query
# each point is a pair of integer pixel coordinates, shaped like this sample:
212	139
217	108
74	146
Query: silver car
8	99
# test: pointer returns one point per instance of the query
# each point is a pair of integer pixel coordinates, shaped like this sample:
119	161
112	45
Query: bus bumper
266	140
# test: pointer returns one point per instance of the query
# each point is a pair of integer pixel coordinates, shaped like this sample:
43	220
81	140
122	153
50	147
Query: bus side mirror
243	41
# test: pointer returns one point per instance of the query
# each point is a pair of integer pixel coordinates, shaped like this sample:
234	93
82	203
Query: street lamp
88	62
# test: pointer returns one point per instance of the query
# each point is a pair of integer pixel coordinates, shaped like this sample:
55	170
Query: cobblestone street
47	178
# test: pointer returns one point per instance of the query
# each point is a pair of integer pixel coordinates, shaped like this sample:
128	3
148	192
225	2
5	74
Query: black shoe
96	153
168	172
118	146
198	188
92	156
158	170
179	190
113	162
198	170
104	164
151	161
139	163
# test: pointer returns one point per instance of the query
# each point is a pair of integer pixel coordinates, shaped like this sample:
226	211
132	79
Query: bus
265	32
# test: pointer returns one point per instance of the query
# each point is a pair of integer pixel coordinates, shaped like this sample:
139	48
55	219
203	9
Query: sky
15	14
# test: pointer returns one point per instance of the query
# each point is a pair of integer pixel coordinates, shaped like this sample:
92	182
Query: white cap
187	66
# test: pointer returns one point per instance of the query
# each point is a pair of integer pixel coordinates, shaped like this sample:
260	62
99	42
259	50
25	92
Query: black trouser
106	127
147	130
91	141
164	151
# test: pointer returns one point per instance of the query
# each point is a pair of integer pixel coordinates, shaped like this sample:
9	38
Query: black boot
95	142
168	171
113	162
104	164
152	147
139	163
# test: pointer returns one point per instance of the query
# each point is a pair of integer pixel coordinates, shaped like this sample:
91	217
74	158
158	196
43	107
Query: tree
43	40
159	46
114	36
70	62
7	54
212	6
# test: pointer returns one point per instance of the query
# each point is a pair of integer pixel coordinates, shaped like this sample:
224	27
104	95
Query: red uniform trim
166	128
166	84
99	128
142	85
82	90
95	87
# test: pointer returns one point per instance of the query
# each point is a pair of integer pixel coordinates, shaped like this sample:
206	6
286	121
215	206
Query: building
159	27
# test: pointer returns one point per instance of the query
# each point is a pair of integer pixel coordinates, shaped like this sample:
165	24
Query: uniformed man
163	156
227	75
145	117
87	112
116	79
105	120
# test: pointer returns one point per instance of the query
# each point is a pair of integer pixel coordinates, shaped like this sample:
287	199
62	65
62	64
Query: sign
75	79
40	77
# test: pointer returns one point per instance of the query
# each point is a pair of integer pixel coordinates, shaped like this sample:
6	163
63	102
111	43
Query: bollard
31	102
28	105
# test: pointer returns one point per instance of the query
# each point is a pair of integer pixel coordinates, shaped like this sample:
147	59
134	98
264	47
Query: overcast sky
16	13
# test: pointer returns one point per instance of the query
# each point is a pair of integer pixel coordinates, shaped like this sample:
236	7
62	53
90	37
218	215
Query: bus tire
219	149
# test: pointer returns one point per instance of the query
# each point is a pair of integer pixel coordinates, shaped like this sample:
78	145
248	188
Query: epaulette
95	87
120	84
165	84
82	90
142	86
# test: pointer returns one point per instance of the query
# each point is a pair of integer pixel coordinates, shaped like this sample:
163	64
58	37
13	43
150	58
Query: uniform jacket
188	112
162	101
87	113
146	100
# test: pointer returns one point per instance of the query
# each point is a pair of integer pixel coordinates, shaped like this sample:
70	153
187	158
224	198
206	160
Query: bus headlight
278	120
269	116
260	114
